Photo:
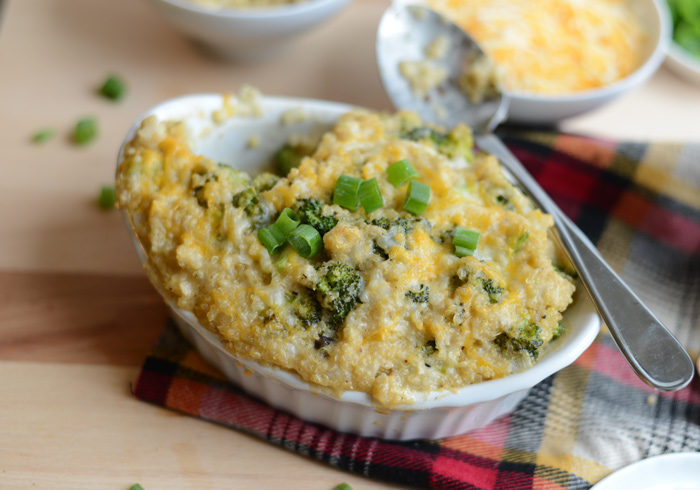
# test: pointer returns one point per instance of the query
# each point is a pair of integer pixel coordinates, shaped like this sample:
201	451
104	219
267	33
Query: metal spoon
403	35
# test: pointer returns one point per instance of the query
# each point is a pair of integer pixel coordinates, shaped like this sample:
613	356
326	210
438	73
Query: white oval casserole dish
435	415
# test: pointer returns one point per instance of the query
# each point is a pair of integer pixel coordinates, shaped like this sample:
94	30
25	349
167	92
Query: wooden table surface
77	315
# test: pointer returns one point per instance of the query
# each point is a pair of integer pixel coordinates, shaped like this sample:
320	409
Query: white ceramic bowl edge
435	415
247	34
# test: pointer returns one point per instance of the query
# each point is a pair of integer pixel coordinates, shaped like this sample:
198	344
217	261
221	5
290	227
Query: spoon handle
652	351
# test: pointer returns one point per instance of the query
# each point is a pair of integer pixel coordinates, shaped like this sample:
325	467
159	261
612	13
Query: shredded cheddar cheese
553	47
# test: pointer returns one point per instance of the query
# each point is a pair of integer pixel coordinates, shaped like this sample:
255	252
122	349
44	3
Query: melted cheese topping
553	47
426	320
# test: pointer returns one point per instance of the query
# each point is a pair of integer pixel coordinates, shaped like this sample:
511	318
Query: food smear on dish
242	4
448	278
480	79
553	47
422	75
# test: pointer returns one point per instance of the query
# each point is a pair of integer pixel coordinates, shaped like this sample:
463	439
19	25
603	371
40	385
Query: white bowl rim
563	353
682	56
251	13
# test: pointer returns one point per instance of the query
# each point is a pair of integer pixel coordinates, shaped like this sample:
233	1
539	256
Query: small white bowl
250	34
683	63
436	415
546	109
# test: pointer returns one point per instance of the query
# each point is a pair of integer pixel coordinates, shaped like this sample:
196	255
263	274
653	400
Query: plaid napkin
640	203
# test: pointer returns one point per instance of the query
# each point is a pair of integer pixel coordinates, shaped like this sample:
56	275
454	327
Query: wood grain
78	318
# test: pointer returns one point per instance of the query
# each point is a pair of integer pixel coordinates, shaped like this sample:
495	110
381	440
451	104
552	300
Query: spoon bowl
406	34
397	42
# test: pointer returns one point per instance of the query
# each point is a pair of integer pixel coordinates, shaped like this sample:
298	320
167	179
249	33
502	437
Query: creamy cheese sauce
424	320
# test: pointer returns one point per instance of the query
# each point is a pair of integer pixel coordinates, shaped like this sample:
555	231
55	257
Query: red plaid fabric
641	204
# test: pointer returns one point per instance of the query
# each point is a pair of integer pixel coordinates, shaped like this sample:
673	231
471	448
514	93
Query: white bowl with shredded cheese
562	58
247	30
222	128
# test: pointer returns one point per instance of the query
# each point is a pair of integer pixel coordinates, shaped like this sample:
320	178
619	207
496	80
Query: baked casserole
386	304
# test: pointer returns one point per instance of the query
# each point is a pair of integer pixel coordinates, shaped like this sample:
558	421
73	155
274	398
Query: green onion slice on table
113	88
85	131
107	198
44	135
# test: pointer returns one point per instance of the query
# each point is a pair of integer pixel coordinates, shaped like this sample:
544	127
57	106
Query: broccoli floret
286	159
570	275
405	224
306	307
503	200
527	339
419	296
265	181
198	193
494	292
490	287
559	331
459	143
289	157
429	348
339	286
236	176
376	249
456	143
424	133
249	200
310	212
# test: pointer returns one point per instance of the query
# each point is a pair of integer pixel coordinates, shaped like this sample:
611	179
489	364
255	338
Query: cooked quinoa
413	317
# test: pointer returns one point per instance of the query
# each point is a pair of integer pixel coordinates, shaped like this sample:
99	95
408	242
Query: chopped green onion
343	486
521	241
272	238
107	198
306	240
113	88
400	172
287	221
136	487
43	136
465	241
417	197
370	195
463	251
85	131
346	193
